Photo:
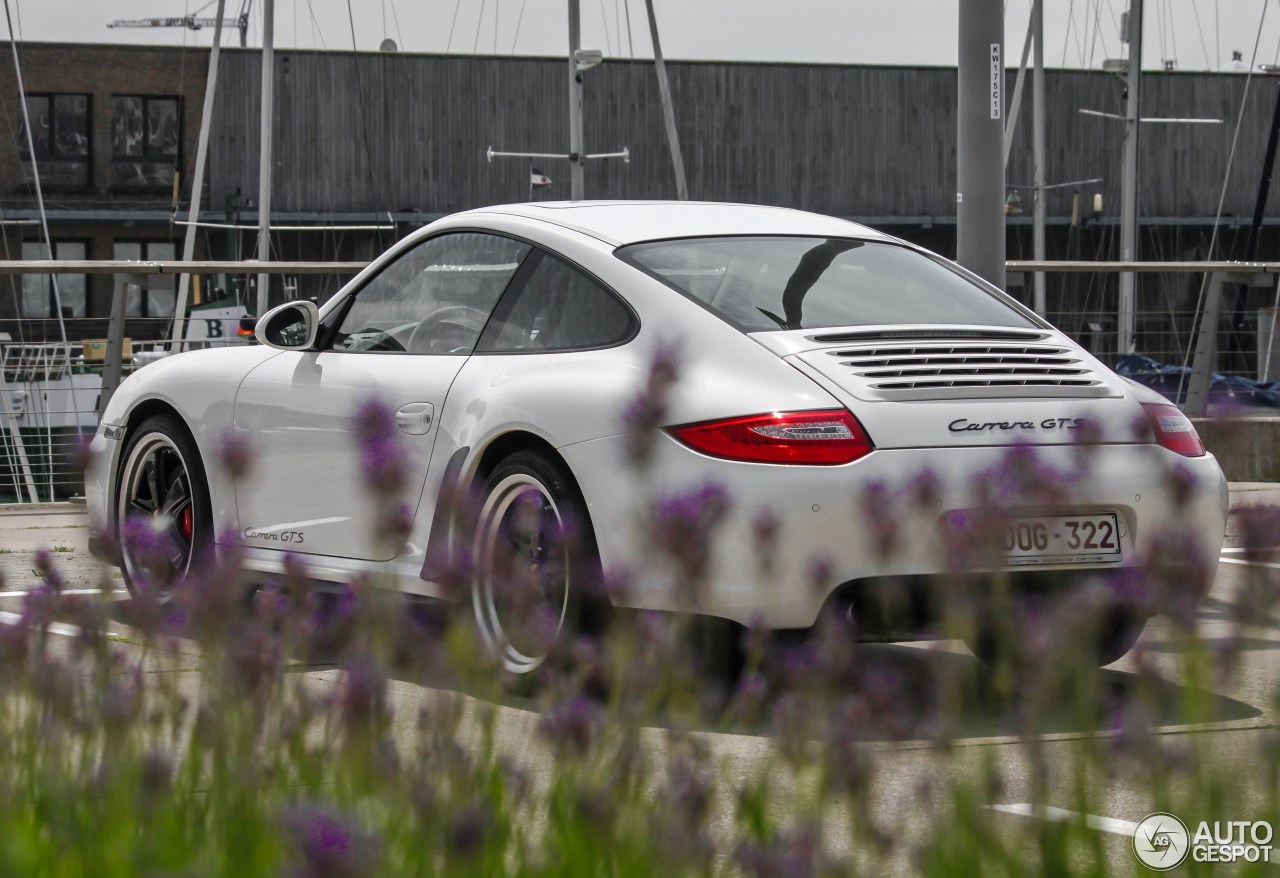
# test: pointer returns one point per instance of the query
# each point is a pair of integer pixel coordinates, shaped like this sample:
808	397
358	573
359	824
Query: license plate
1048	539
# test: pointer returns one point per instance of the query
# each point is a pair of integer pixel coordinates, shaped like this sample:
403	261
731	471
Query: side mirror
289	327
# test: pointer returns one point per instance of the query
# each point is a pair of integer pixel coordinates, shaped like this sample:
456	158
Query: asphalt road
1246	708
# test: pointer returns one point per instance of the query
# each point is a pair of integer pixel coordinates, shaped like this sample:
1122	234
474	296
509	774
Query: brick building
113	129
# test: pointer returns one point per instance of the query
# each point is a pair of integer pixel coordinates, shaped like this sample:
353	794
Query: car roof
629	222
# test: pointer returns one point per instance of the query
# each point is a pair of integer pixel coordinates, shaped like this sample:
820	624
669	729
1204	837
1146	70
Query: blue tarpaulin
1173	382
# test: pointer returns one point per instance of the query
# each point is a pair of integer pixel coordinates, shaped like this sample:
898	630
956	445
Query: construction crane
194	21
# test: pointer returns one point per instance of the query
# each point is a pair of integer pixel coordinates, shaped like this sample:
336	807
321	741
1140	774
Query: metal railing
52	392
1185	334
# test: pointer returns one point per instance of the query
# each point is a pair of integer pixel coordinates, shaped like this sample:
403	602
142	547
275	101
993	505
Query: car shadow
885	692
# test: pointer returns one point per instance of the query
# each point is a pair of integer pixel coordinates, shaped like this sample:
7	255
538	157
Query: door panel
306	491
399	339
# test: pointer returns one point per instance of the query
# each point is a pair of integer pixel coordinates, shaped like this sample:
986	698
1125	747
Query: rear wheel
163	514
536	562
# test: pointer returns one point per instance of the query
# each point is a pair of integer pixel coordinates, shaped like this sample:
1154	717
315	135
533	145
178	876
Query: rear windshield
763	283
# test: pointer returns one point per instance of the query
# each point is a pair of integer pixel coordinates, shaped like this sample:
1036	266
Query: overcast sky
1197	34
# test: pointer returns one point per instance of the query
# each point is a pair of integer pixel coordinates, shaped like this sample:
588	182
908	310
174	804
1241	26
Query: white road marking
61	628
1268	564
68	591
1062	815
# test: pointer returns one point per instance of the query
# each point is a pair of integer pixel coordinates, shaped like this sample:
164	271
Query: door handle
415	418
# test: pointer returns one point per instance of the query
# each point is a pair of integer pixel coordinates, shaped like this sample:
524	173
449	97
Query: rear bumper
878	517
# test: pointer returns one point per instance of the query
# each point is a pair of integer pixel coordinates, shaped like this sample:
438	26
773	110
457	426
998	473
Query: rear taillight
1173	430
821	438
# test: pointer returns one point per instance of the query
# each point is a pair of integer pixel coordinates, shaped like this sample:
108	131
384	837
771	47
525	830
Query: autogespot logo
1161	841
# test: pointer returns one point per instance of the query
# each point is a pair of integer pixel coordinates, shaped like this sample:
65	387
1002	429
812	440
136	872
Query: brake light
818	438
1173	429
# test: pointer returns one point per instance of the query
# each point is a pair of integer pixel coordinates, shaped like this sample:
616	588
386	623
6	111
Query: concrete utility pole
979	148
264	160
1037	151
1125	341
577	135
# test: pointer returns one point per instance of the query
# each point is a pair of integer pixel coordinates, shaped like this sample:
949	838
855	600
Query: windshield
761	283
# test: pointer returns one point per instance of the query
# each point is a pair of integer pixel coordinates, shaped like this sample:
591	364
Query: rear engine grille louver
965	369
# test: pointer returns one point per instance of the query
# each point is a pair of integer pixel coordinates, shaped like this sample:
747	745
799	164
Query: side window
558	308
433	299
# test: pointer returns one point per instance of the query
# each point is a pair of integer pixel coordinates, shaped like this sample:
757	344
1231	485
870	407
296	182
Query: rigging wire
631	48
519	19
35	174
315	28
497	13
1200	30
604	22
1066	39
1226	179
475	47
1160	8
456	6
1102	33
1097	34
395	17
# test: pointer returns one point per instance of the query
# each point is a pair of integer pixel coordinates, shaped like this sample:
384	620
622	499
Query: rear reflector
1173	430
821	438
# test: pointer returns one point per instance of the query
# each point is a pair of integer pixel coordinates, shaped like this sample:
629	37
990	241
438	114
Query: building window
146	136
148	303
60	140
38	300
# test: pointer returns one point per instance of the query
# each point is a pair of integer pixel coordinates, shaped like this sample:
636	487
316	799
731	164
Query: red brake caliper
188	523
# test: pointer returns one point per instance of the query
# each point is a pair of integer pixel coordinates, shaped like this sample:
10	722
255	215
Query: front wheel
535	560
163	515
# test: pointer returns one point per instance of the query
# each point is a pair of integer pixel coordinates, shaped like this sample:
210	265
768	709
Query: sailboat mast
577	135
264	162
1125	341
668	112
197	183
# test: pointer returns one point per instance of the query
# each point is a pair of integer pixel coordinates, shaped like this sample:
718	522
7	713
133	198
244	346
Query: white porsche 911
821	365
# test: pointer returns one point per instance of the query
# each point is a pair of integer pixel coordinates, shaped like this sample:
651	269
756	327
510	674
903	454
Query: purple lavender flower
363	697
764	528
43	562
327	846
647	411
681	528
234	453
469	831
384	460
571	726
790	855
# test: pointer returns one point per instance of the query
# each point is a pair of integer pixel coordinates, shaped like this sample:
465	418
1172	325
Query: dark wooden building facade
376	139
